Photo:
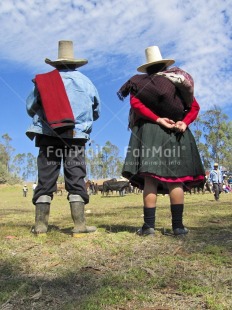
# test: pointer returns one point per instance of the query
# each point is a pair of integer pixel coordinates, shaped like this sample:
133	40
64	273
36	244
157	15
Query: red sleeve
142	110
145	112
192	114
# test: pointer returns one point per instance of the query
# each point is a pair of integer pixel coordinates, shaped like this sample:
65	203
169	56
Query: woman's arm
141	110
189	118
193	112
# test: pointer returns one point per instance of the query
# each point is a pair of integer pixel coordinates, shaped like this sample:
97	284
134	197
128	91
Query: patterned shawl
167	94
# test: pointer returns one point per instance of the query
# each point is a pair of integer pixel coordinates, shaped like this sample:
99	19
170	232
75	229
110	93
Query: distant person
216	178
63	104
91	188
162	156
34	187
25	190
96	188
230	181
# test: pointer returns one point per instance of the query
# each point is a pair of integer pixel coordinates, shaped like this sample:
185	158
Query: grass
114	268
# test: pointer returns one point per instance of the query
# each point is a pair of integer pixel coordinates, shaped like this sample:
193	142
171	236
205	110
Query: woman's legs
176	194
149	199
150	192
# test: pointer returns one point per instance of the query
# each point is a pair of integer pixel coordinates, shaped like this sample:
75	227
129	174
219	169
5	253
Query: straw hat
153	56
66	56
215	164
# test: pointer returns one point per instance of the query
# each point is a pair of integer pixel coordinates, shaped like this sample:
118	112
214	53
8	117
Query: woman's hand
180	126
166	122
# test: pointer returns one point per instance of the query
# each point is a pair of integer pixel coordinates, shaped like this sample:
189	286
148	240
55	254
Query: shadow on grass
113	196
108	228
119	228
217	230
12	227
13	211
19	291
54	228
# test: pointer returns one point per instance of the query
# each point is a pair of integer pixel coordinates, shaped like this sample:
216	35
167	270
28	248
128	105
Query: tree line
15	168
101	162
212	131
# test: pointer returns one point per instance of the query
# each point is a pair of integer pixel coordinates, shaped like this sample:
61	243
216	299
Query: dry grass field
114	268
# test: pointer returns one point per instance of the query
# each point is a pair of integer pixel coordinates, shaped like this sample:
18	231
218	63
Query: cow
60	187
100	188
119	186
109	181
90	187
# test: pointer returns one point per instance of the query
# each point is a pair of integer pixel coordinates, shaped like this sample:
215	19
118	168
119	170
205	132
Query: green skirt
163	154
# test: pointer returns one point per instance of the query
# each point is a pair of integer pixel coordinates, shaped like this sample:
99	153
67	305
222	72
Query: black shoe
145	232
180	231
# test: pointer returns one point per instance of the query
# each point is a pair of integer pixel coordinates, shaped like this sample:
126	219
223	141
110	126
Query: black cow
109	181
100	188
119	186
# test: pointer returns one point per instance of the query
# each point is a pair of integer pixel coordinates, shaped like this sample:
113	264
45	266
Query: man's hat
66	56
153	56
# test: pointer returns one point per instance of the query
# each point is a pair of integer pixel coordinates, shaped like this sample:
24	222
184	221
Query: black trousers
49	163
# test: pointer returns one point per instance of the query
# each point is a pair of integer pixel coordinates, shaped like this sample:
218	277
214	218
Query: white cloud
195	33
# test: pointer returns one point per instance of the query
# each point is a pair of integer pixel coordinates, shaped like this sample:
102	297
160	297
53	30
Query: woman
162	156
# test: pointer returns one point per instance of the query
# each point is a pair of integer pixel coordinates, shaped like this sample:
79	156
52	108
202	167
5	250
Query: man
34	187
230	181
63	104
25	190
216	179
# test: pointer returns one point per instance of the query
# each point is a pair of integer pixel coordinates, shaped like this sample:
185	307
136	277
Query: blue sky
112	35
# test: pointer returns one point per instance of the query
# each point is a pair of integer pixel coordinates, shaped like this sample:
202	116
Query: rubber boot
78	216
42	211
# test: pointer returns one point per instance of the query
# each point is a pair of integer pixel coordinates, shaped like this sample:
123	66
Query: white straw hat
66	56
153	56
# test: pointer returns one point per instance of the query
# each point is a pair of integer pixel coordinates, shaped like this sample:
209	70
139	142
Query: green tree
202	147
3	174
31	167
213	133
25	166
6	151
18	163
103	162
14	168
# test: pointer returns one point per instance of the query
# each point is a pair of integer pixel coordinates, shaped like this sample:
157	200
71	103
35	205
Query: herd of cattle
109	186
121	187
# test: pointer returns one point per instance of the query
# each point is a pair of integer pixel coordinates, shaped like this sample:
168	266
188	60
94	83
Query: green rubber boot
42	211
78	216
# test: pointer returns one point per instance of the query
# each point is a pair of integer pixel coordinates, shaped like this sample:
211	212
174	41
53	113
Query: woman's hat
153	56
66	56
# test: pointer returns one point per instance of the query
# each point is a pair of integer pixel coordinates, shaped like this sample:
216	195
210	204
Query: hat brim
167	62
76	62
